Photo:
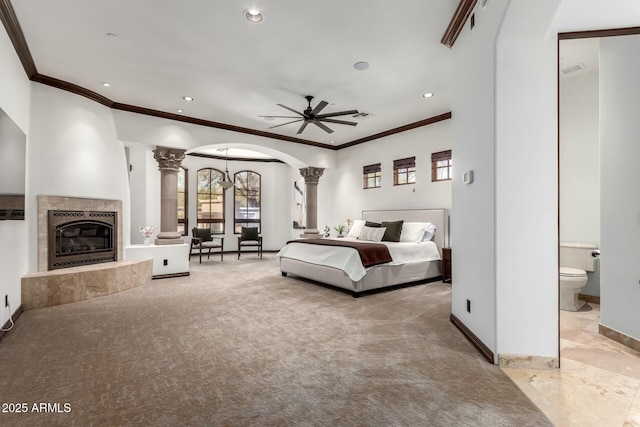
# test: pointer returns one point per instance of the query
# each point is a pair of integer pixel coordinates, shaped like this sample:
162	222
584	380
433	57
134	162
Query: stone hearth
66	285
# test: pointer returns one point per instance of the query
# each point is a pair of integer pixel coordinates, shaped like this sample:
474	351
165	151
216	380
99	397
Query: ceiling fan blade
281	117
282	124
304	125
319	107
322	126
290	109
341	122
339	113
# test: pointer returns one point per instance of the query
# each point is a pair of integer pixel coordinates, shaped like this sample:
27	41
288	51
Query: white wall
526	171
346	199
619	131
73	151
13	152
473	235
144	182
14	100
527	182
155	131
584	15
580	164
276	214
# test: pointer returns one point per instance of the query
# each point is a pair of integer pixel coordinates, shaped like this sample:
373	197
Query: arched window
247	200
183	197
211	200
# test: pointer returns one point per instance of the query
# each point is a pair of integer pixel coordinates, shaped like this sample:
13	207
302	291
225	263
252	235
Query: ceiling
579	57
154	52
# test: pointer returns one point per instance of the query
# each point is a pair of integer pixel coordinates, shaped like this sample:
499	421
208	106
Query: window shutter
409	162
442	155
371	168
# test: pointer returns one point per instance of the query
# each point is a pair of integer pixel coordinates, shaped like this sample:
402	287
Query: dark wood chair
249	238
202	239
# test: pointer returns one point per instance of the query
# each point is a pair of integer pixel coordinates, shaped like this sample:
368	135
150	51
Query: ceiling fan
313	116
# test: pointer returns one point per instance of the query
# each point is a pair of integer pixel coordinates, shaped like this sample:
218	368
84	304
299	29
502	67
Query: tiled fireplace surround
47	203
46	288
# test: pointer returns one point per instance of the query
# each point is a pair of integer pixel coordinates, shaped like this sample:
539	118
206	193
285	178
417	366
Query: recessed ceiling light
187	98
253	15
361	65
427	95
333	142
179	110
105	84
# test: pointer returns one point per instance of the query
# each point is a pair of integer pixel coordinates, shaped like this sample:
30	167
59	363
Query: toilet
575	260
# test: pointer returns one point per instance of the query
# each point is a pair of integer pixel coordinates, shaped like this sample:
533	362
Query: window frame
441	156
404	167
201	222
238	223
372	171
185	220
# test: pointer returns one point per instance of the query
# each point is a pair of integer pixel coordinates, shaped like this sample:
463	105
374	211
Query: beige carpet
236	344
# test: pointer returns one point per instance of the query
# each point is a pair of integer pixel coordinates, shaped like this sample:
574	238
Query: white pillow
356	228
413	231
372	234
428	233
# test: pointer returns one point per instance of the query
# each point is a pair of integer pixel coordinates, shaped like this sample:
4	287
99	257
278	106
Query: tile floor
598	383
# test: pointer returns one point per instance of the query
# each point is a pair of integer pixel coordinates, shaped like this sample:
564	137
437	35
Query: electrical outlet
166	262
6	300
468	306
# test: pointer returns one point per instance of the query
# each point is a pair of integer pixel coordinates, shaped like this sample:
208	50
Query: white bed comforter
348	260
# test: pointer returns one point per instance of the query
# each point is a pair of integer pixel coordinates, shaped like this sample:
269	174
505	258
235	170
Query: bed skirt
380	276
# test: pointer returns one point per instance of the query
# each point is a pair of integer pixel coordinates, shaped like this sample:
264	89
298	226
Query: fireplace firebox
81	238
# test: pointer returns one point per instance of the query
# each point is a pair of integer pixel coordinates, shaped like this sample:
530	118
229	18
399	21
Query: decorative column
311	177
169	160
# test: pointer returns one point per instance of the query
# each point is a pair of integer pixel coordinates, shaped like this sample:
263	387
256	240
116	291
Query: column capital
311	175
169	158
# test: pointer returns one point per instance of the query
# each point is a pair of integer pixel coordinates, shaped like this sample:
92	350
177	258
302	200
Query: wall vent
569	70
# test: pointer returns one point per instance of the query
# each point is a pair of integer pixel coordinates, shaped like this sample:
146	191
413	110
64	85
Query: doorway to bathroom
579	189
599	94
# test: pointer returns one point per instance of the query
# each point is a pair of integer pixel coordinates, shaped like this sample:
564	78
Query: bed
412	262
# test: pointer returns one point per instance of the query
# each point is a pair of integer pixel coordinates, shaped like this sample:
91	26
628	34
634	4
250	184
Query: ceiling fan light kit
312	115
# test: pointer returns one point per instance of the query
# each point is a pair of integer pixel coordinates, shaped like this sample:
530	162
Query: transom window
404	171
211	200
441	166
247	200
372	176
183	196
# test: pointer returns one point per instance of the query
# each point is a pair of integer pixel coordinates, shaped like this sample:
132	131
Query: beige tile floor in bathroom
598	383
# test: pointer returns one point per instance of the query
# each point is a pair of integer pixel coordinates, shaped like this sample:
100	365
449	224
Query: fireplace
81	238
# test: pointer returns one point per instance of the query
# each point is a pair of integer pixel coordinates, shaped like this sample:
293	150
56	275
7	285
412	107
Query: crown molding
73	88
11	24
410	126
234	159
212	124
457	22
